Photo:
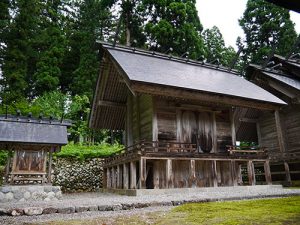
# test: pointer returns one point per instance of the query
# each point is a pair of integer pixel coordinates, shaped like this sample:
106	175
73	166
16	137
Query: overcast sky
225	14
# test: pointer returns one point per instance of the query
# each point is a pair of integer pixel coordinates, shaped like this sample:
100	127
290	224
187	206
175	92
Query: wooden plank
232	126
192	179
50	167
251	172
111	104
215	136
113	177
234	176
154	121
119	177
258	134
104	178
178	125
201	96
214	173
125	176
280	134
7	168
267	170
169	174
132	175
156	174
287	173
108	177
143	173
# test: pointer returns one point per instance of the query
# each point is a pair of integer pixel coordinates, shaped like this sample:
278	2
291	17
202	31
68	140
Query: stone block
93	208
48	188
39	195
55	189
117	207
5	189
81	209
9	196
58	195
16	212
127	206
66	210
32	211
105	208
27	195
18	195
4	212
51	195
50	210
2	197
140	205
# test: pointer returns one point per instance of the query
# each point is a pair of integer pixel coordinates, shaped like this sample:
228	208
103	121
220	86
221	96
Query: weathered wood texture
142	117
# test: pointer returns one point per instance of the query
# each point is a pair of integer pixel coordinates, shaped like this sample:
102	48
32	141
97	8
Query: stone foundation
29	193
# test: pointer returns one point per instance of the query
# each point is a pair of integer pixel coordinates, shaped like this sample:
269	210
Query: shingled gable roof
32	131
159	69
151	68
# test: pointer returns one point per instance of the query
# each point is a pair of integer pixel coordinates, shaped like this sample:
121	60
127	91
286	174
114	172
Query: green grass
285	211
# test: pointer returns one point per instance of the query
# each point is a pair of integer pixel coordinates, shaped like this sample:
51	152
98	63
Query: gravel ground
176	198
108	216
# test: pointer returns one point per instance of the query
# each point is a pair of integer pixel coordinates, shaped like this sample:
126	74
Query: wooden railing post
143	174
233	173
251	172
169	173
192	179
287	173
156	174
125	176
214	173
113	177
132	175
267	172
108	177
119	176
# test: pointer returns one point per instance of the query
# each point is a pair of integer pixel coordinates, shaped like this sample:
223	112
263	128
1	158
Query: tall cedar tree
50	43
215	49
173	24
266	26
20	56
92	24
4	26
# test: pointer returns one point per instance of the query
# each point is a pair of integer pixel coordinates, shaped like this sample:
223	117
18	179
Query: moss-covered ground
277	211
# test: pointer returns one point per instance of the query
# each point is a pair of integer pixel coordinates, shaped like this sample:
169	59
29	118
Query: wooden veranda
153	164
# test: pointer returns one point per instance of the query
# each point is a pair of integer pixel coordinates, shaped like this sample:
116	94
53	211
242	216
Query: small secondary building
281	135
180	118
31	143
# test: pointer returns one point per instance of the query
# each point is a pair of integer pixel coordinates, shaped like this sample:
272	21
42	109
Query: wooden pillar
108	177
251	173
113	177
49	166
132	175
104	178
192	180
215	141
125	176
143	174
267	172
282	146
169	173
232	125
7	168
214	173
234	176
156	174
119	176
239	174
287	173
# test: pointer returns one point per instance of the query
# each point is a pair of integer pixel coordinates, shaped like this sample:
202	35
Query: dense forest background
49	59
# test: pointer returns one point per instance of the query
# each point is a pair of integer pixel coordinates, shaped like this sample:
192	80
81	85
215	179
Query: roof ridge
156	54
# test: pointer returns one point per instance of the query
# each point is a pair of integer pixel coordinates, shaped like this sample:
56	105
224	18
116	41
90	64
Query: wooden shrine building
281	135
180	118
31	143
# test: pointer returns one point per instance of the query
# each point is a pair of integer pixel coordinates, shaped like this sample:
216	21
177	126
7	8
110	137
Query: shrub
82	152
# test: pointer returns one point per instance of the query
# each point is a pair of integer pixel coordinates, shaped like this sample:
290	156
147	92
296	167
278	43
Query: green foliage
215	49
82	152
266	25
173	24
3	157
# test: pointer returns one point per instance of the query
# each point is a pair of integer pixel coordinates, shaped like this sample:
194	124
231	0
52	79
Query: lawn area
267	211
